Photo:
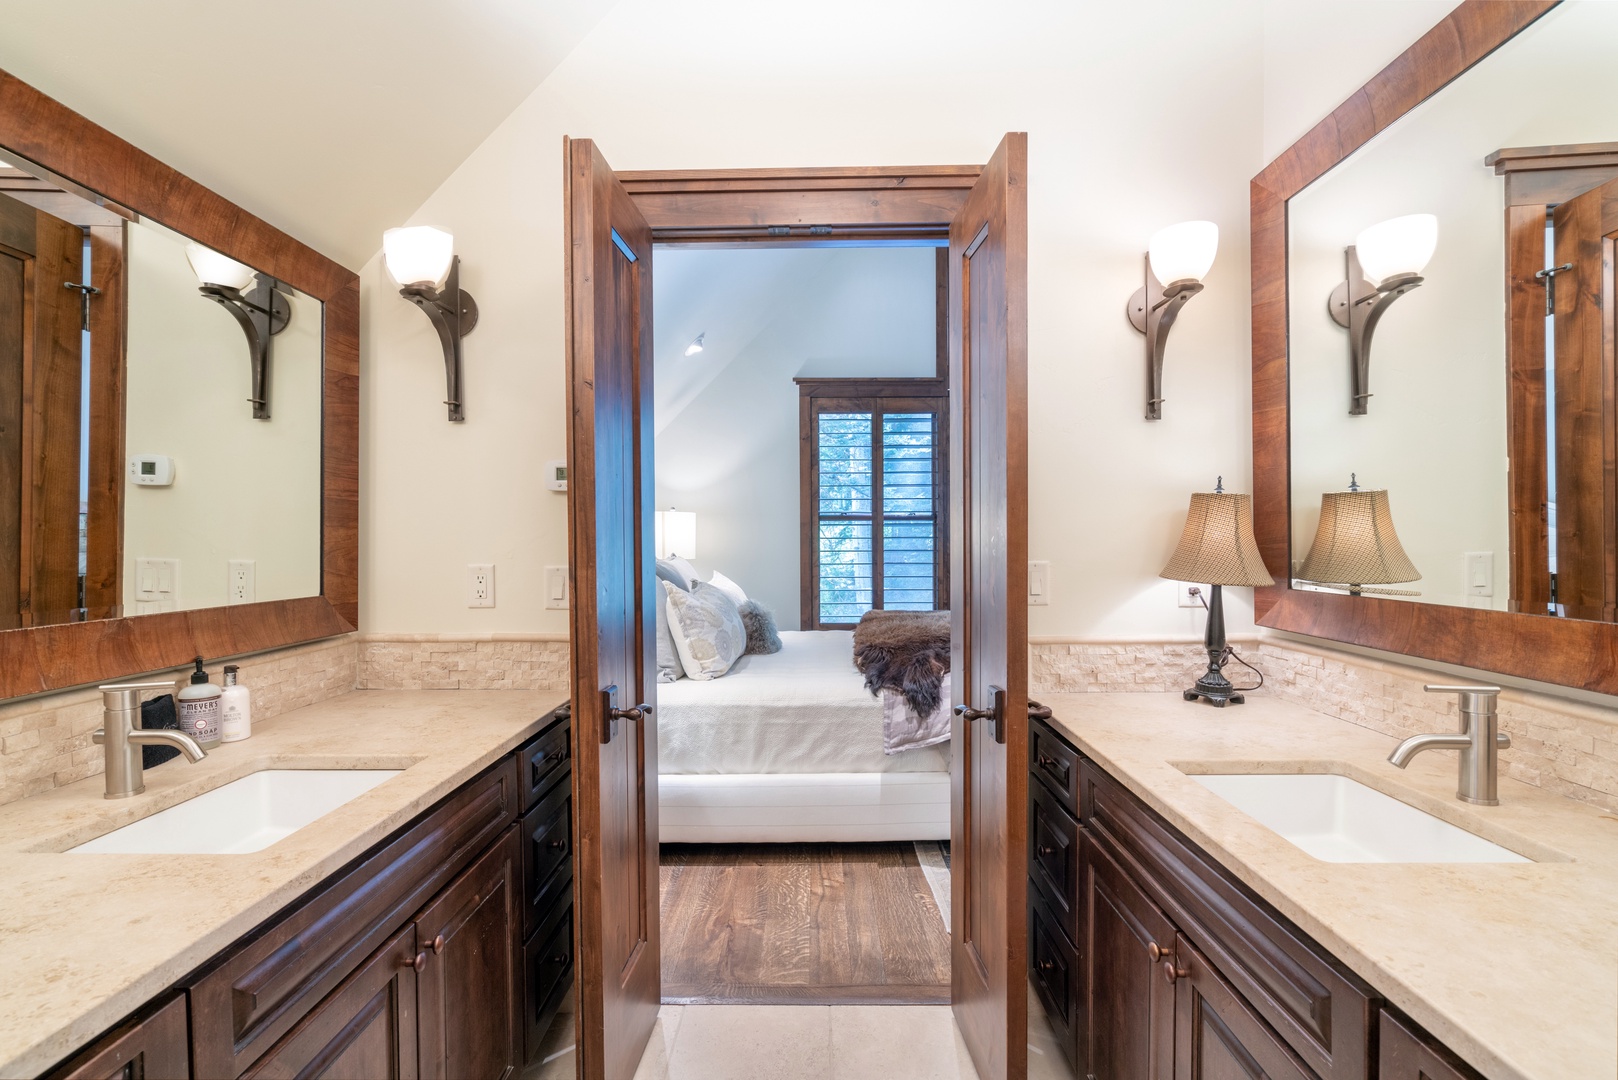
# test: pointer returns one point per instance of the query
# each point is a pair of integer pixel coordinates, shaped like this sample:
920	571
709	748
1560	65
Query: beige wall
243	488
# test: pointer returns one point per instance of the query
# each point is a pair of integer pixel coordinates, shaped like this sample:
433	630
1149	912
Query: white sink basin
245	815
1336	819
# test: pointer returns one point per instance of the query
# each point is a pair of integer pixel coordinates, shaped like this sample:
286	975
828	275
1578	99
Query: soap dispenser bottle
199	709
235	708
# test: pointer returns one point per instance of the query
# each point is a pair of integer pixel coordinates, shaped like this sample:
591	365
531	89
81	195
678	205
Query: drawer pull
558	844
1157	952
1047	965
438	944
419	962
560	960
1046	762
1050	849
1171	973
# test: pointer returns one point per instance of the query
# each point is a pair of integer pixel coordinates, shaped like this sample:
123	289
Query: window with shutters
875	501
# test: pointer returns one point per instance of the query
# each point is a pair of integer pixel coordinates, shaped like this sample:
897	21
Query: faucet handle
1434	688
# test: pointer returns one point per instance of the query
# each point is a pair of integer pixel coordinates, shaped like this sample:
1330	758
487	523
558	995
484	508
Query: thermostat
152	470
556	475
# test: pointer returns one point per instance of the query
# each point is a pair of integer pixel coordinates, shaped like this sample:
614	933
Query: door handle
1036	711
610	714
996	712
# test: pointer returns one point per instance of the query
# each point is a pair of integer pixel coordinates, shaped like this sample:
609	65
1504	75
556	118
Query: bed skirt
784	808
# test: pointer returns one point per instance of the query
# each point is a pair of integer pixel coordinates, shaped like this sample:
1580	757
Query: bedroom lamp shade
1217	546
1355	544
676	534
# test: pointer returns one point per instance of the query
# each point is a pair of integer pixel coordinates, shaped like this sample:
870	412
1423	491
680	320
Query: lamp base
1215	688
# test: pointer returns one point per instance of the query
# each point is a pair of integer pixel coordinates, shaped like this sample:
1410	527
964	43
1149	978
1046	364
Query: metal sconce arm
453	313
262	312
1357	305
1152	311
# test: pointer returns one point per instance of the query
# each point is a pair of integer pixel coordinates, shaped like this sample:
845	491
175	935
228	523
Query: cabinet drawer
1053	857
1053	967
547	855
1056	763
253	997
541	762
1408	1053
547	973
148	1046
1215	1030
1318	1007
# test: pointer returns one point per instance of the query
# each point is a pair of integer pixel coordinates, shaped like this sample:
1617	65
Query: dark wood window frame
878	396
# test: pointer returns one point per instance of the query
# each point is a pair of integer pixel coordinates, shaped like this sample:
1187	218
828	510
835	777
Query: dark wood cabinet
468	991
1217	1035
1130	1005
149	1046
366	1028
1408	1053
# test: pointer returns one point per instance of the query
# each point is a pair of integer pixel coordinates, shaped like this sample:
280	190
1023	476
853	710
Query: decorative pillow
668	657
707	630
759	622
728	587
683	578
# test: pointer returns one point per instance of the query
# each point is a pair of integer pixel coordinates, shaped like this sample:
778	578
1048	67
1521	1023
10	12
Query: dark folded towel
158	713
906	651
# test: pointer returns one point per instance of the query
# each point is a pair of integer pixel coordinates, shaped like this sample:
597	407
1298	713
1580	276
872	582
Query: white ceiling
331	119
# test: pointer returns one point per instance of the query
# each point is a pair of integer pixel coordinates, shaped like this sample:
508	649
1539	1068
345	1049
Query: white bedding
804	709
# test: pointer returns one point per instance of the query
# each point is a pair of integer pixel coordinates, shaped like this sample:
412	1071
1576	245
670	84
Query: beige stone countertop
87	939
1513	965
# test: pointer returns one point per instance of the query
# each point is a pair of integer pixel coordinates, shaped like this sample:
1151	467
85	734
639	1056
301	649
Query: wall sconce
424	265
262	311
1384	263
1180	255
676	534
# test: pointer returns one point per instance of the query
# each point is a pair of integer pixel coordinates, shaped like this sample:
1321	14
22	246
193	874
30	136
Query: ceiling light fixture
255	301
696	346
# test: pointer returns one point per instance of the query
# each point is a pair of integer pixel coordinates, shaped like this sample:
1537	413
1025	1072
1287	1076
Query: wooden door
1217	1036
1130	1004
40	373
1586	407
469	995
609	345
988	297
363	1030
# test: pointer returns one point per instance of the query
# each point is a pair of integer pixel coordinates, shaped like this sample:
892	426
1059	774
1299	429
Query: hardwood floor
799	924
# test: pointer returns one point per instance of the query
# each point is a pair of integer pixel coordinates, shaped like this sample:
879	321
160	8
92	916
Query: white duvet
804	709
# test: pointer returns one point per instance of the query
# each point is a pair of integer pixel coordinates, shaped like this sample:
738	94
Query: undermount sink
1336	819
243	816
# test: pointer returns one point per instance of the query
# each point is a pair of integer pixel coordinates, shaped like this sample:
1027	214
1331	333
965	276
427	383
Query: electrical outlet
480	585
240	589
1191	595
556	588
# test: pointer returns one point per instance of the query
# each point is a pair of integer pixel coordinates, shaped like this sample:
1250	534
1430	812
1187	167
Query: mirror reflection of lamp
1355	545
676	534
261	309
1180	255
1384	262
422	261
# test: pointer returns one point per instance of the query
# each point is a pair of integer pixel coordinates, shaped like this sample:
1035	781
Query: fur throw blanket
906	651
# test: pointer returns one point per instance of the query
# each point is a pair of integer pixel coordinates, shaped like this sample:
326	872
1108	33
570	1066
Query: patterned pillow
707	630
759	622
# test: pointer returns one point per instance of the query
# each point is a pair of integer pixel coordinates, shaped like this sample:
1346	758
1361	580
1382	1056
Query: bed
788	748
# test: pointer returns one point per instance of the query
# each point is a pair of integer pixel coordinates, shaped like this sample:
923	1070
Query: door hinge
85	292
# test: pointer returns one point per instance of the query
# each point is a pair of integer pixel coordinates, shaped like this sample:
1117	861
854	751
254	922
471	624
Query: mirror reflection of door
609	251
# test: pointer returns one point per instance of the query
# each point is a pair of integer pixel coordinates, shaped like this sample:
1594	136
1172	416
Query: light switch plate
1039	583
1480	573
480	585
157	581
556	588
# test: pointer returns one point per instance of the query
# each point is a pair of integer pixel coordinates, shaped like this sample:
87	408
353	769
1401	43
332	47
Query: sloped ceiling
331	119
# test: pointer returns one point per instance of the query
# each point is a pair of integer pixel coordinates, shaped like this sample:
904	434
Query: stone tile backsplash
463	662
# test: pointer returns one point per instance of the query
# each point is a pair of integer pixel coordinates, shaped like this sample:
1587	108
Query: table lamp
1355	544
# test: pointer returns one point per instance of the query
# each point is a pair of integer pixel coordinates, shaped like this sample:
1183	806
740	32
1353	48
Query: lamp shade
213	268
1355	543
1401	245
676	534
1183	252
1217	545
418	254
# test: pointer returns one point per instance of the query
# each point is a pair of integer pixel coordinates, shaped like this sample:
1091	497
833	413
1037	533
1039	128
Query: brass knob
1171	973
1157	952
419	961
438	944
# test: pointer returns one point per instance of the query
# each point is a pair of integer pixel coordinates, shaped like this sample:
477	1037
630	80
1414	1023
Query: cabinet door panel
1058	979
469	996
1053	857
1217	1036
366	1029
153	1048
1408	1054
547	855
1130	1004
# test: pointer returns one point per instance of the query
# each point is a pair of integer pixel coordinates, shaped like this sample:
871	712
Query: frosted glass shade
213	268
1401	245
1183	252
418	254
676	534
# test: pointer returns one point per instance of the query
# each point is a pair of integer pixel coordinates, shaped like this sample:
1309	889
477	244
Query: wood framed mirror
1518	635
85	631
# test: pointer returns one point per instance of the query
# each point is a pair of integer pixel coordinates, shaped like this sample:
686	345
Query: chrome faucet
1480	741
122	737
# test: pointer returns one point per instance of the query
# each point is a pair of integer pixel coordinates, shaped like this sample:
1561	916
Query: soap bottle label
200	719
